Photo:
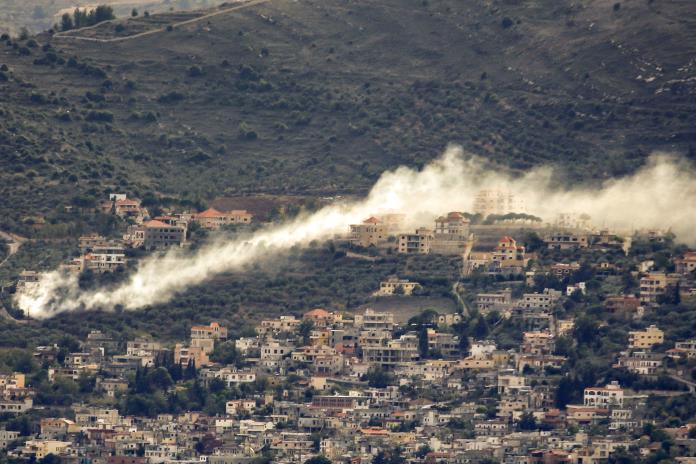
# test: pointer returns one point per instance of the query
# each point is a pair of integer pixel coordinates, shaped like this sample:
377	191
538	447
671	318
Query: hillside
319	97
40	15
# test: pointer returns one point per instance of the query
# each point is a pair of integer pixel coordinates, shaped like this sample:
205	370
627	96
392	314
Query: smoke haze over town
661	195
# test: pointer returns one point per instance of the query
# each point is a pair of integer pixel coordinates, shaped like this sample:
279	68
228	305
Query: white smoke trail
660	195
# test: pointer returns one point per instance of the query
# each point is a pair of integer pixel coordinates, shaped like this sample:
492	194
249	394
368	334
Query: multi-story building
645	339
230	375
537	343
157	234
622	304
274	351
686	264
7	437
214	330
416	243
185	354
105	257
451	235
214	219
395	286
374	320
340	402
501	301
603	397
323	360
655	285
641	362
687	348
544	300
372	232
566	241
509	254
395	352
497	201
446	344
287	324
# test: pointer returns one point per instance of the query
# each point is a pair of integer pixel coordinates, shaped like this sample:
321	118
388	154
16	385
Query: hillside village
501	379
141	134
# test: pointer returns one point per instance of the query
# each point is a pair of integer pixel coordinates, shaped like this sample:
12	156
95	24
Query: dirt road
67	35
14	242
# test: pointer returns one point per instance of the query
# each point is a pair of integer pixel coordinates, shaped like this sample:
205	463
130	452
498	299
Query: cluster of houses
351	386
324	392
171	229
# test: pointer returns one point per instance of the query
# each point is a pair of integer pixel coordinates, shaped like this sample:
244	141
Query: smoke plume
662	194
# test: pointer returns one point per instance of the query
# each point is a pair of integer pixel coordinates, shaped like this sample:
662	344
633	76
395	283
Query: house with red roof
214	219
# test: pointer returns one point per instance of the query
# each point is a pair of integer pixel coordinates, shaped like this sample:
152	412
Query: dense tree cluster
85	18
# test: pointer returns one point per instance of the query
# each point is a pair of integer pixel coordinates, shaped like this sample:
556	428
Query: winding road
70	36
14	242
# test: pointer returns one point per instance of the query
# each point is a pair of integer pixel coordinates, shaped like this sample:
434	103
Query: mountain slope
318	97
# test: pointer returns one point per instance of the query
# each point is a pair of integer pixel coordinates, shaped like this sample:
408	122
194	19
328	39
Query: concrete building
213	331
374	320
395	352
451	235
497	201
655	285
509	254
395	286
487	302
416	243
105	257
185	354
686	264
566	241
622	304
214	219
370	233
157	234
603	397
645	339
544	300
641	362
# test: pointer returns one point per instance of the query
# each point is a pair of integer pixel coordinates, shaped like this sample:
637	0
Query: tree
481	328
423	346
321	459
50	458
423	451
527	422
304	330
66	22
190	372
585	330
134	12
378	378
224	353
103	13
565	392
159	379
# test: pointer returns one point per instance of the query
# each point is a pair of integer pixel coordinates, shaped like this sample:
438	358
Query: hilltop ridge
288	97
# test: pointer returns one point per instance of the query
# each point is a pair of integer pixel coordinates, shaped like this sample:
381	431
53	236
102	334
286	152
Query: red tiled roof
371	220
127	202
318	312
209	213
155	223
